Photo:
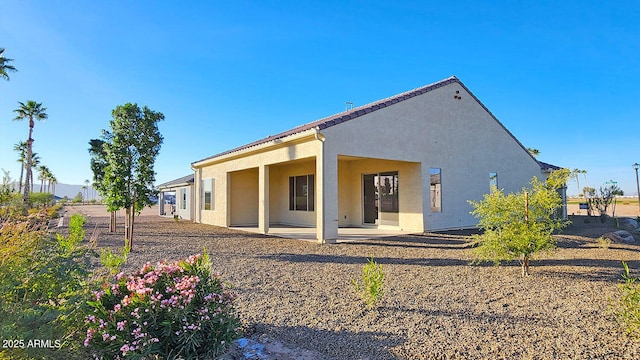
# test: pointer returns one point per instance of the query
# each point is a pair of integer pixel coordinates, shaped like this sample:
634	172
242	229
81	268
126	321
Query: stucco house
409	162
175	198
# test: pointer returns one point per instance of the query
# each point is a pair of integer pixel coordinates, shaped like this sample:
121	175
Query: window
184	199
207	194
301	192
436	189
388	183
493	180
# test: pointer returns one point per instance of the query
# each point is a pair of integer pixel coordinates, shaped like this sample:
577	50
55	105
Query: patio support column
263	199
326	197
426	196
161	203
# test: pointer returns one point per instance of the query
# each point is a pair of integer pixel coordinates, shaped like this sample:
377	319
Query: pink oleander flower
125	349
121	324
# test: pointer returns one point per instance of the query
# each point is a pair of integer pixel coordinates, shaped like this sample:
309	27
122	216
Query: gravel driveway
436	305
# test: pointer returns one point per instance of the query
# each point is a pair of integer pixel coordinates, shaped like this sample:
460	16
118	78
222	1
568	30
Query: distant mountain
69	191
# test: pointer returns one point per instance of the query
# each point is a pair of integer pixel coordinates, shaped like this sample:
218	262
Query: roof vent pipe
348	105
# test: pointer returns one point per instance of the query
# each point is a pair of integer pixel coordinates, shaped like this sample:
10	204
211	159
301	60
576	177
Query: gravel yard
436	305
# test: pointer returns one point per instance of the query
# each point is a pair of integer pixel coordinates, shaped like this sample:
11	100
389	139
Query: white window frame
204	191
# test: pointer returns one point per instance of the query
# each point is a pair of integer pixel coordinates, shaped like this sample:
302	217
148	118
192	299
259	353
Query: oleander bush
171	310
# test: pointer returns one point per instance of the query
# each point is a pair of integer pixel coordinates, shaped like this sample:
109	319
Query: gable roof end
343	116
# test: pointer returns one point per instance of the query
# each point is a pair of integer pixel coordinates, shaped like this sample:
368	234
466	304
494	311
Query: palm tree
4	66
21	148
42	176
35	162
32	111
86	184
577	172
52	182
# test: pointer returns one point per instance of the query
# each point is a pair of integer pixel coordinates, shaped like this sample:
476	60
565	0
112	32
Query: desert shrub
517	226
76	233
603	242
627	308
40	199
42	283
113	261
170	310
371	284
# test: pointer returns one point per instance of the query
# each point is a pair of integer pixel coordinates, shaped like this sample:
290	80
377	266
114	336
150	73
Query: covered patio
310	233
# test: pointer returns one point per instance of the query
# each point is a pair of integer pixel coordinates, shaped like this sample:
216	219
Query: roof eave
261	147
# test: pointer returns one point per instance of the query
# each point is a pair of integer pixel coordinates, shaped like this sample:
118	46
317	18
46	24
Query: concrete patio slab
344	234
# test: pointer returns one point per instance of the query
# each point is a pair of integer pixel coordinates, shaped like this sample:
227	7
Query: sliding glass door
380	198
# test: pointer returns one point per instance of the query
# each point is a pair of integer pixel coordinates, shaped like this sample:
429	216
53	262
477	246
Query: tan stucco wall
437	130
223	174
350	203
279	212
244	197
431	130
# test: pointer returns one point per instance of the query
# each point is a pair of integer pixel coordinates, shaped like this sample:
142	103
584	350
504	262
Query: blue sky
562	76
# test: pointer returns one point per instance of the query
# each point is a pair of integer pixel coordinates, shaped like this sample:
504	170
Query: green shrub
40	199
42	285
370	286
171	310
112	261
627	309
603	242
520	225
76	233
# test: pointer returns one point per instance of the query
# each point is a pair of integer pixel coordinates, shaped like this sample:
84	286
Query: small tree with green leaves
601	200
130	152
520	225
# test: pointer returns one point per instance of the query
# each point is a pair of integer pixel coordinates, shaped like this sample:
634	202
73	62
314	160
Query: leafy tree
5	66
6	189
99	163
128	178
517	226
601	199
77	198
32	111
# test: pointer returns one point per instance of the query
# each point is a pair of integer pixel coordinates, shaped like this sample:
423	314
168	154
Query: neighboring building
409	162
176	198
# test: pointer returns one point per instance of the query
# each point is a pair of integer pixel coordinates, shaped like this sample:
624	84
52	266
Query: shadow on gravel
471	315
336	344
343	259
431	242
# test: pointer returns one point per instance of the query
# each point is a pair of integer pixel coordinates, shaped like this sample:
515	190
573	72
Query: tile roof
180	181
547	166
368	108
